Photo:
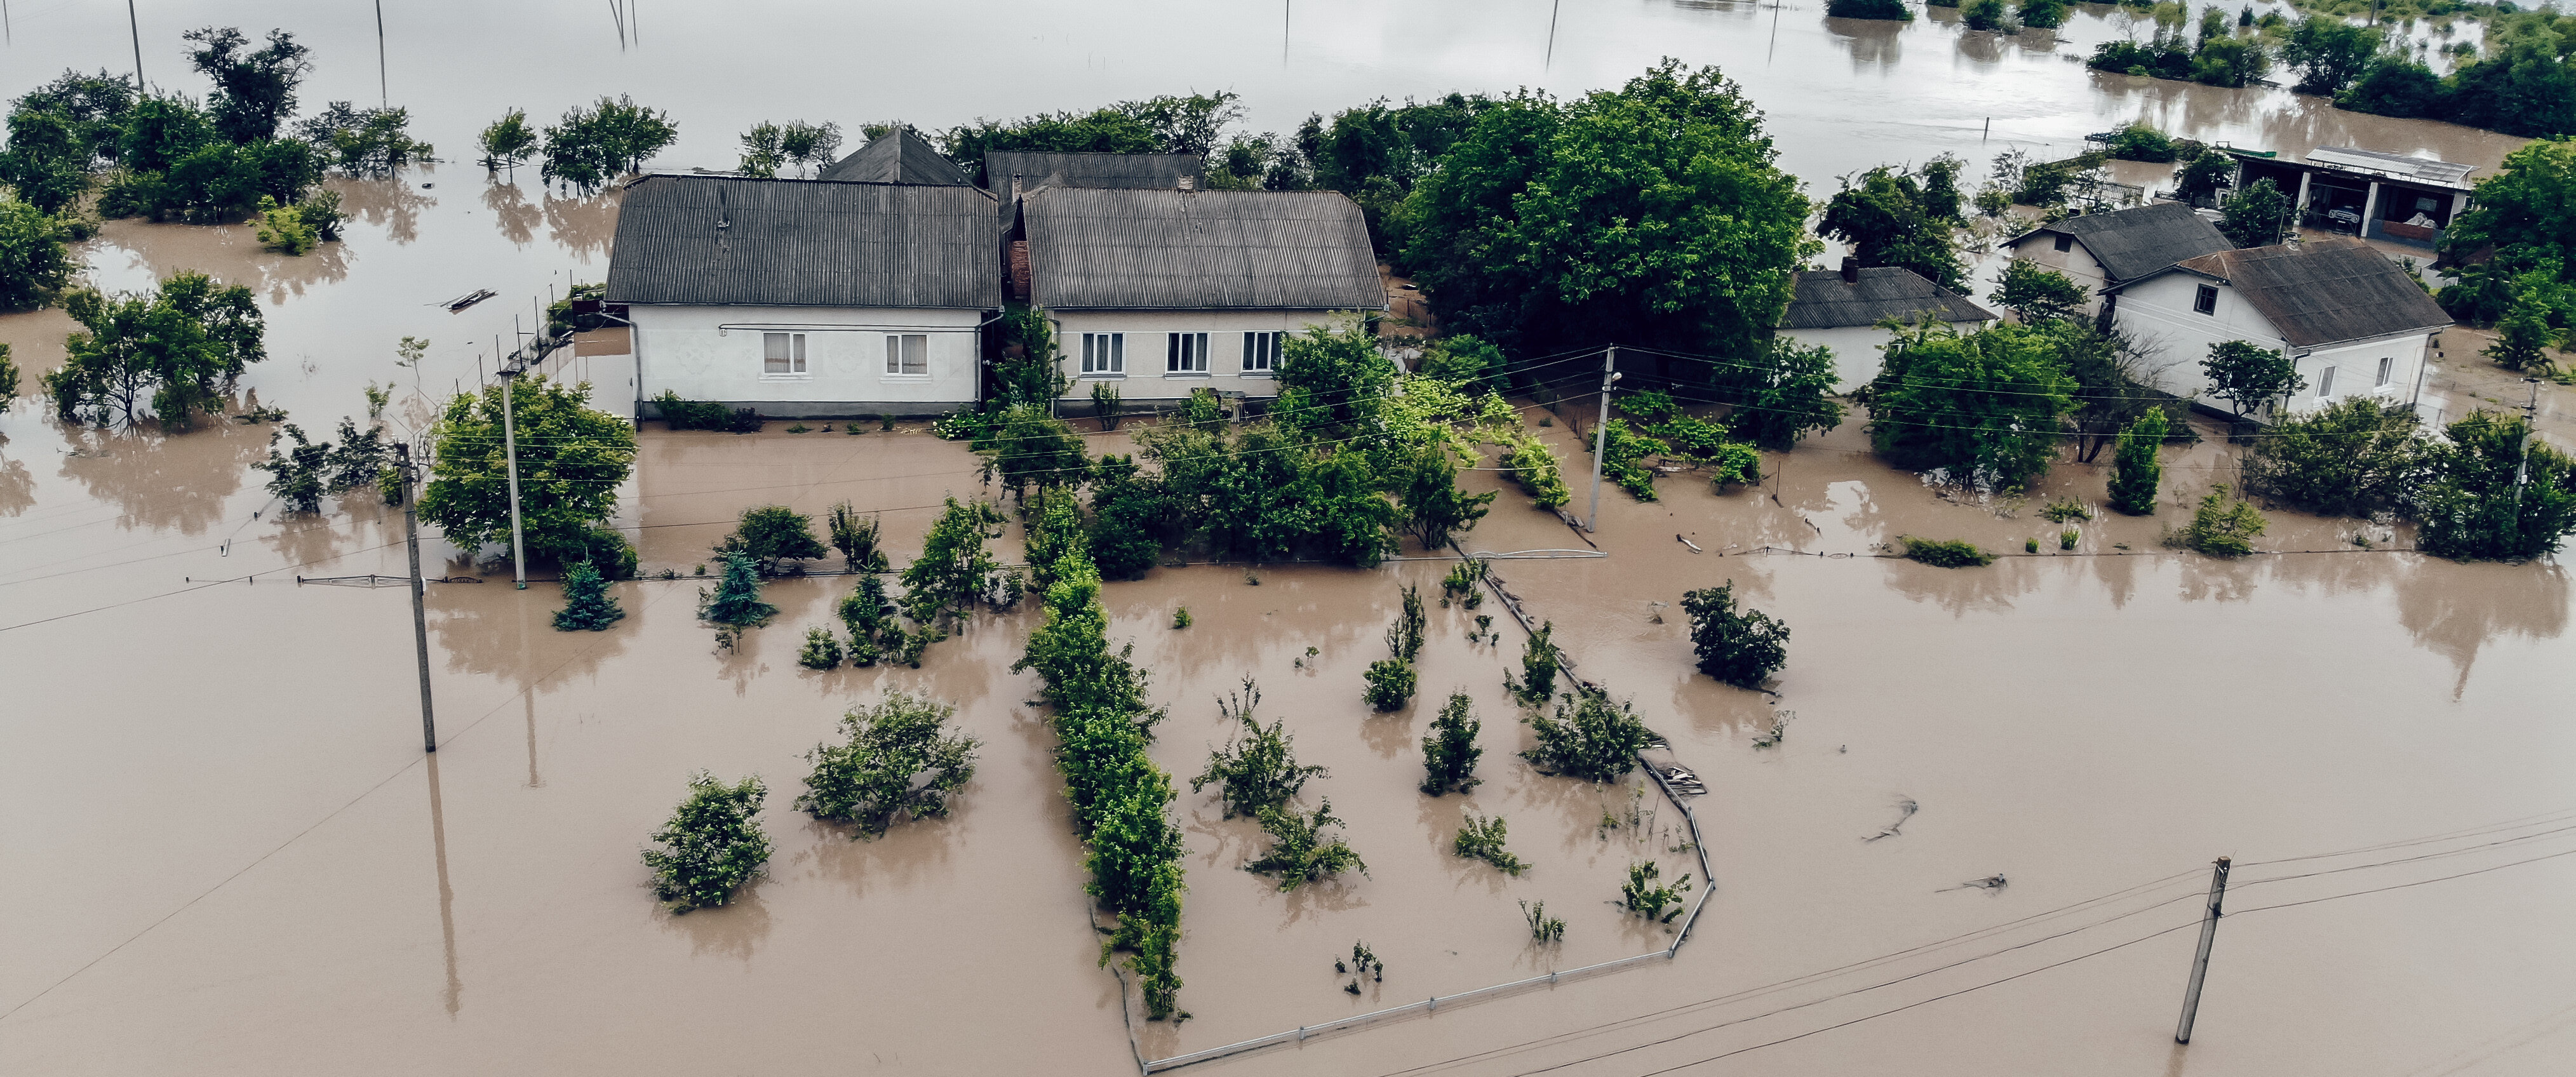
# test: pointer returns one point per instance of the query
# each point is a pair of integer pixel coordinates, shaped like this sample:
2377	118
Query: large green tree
35	262
2246	376
2257	216
1886	217
2472	509
254	88
2329	53
2358	457
572	457
173	348
2526	213
1985	408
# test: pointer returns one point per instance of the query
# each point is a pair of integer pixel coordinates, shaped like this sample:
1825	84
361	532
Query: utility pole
1601	434
383	88
2522	470
419	616
137	28
510	446
2200	963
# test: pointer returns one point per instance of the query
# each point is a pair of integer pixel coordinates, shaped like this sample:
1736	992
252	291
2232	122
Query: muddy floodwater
229	855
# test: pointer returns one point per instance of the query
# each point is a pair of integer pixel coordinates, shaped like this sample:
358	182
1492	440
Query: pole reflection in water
446	893
530	698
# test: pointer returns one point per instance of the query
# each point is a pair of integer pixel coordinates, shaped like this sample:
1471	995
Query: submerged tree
2221	527
2257	216
955	568
2496	493
572	458
2356	457
508	141
712	845
1589	737
2035	293
1538	667
587	604
735	603
770	534
1258	766
1482	839
172	348
1433	505
857	538
1449	754
1984	408
1300	851
2135	469
901	757
1740	648
254	88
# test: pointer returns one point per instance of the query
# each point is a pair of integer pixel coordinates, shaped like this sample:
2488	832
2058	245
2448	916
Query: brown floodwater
234	859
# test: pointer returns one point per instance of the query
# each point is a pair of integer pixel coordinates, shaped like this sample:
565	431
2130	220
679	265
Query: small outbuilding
2353	322
1844	310
2102	250
2368	193
898	156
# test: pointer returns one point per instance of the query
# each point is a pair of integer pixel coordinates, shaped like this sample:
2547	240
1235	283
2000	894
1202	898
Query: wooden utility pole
2200	963
1601	434
419	615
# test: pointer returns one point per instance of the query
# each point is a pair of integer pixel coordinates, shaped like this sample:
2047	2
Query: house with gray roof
815	298
2102	250
898	156
1164	291
2353	322
1845	310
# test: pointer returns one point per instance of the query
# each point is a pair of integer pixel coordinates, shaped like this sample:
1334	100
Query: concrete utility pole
2522	470
1601	434
510	446
2200	963
137	28
419	616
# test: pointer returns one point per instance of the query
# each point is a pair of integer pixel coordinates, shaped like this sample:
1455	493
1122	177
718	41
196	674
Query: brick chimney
1851	270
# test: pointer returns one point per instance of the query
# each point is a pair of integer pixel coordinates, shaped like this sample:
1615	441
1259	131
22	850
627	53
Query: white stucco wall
2077	263
1146	380
1857	350
2159	314
715	353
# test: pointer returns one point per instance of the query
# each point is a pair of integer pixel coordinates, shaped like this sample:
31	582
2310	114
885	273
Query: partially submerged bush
587	606
2220	527
1482	839
898	758
1300	853
822	650
1391	682
1258	766
1533	467
1544	929
1538	667
1740	648
704	415
1449	754
712	845
770	534
1646	895
1945	553
1588	737
857	538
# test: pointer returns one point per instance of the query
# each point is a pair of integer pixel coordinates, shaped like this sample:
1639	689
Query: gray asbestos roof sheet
729	240
1824	301
2325	291
2133	243
1180	250
899	156
1130	170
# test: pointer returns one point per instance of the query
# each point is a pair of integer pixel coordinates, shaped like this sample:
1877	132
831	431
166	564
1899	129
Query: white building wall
2077	263
1858	349
1146	379
2176	338
715	353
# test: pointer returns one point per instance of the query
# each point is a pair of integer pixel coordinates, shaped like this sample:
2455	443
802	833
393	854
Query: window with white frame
2325	382
1104	353
1185	353
908	355
2386	364
782	354
1261	352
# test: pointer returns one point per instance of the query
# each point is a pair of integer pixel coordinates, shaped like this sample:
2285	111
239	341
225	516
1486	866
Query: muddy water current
233	858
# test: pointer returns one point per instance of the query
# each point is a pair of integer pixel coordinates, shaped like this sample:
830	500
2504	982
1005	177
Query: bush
857	538
822	650
2219	527
712	845
587	606
1258	766
1538	667
1482	839
1645	895
1945	553
771	534
1588	737
2469	506
1870	9
1741	649
35	262
1391	682
2135	468
1300	852
1990	15
2049	15
1533	466
900	757
681	414
1984	409
2359	457
1449	754
2138	141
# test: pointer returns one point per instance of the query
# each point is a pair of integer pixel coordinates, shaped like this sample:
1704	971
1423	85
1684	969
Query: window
2207	301
908	355
1185	353
1261	351
782	353
2385	363
2064	241
1104	353
2325	382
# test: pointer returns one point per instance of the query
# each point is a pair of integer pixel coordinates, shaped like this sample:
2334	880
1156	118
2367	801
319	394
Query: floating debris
468	299
1905	810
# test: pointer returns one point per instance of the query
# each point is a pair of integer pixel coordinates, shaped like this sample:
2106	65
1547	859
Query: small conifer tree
736	603
587	606
2135	469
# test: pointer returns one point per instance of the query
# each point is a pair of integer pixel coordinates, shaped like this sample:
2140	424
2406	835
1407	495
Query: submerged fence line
1431	1005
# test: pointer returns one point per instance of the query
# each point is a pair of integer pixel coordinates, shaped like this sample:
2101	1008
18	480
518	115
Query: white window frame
2387	366
2325	383
1185	355
1261	352
789	353
901	360
1104	355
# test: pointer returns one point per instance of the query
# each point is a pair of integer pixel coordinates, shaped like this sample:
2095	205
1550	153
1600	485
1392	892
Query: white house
807	298
1162	292
2353	322
1842	310
2104	250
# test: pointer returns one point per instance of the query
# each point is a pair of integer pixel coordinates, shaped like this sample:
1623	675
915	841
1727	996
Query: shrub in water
1589	738
2220	527
1482	839
736	600
898	758
1538	667
856	538
1300	853
1945	553
1740	648
822	650
1258	768
712	845
1449	754
1543	928
587	606
1390	684
1645	895
770	534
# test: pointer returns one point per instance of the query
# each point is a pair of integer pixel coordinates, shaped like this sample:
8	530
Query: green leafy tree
2110	392
2357	457
2200	182
1742	648
2526	212
2522	86
857	538
1129	510
2135	468
8	379
298	477
760	153
2473	509
1892	10
901	757
1648	896
1029	447
588	606
1532	466
365	141
1783	395
770	534
282	229
1258	766
508	142
2230	61
1589	737
2329	53
572	458
2042	14
174	347
1989	15
1482	839
1031	372
1883	216
735	603
2257	216
1467	361
1538	667
96	108
1332	379
1433	505
254	88
595	145
2035	293
2245	375
809	146
955	568
712	845
1391	683
1984	408
47	161
1449	753
2221	527
2525	337
1300	851
35	259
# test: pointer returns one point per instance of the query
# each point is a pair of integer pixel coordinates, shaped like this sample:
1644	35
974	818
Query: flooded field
233	858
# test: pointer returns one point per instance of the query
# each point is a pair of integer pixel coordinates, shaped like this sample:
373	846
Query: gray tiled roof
899	156
2132	243
2325	291
731	240
1181	250
1823	301
1130	170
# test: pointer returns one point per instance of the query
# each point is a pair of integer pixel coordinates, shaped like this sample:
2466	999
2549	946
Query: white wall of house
720	354
2077	263
1858	354
1147	379
2160	313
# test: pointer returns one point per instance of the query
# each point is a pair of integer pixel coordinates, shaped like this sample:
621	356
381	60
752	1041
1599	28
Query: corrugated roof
2325	291
1184	250
1122	170
2393	165
2132	243
731	240
898	156
1823	301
